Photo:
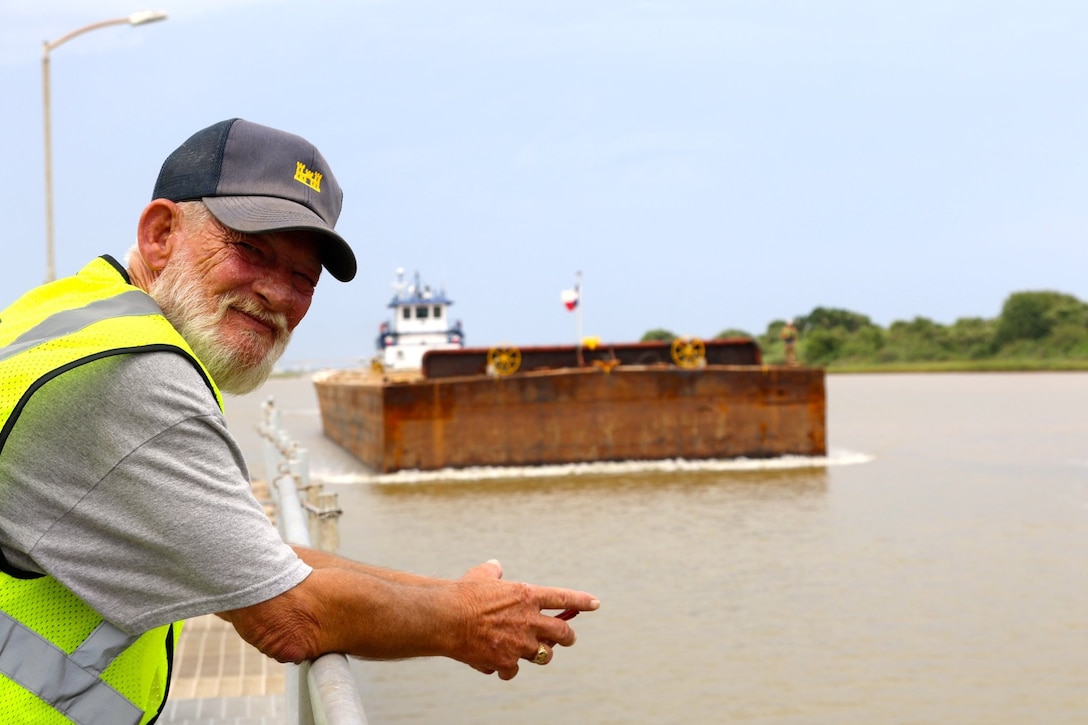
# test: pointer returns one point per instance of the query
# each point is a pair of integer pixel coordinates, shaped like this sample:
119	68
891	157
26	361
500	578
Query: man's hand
505	621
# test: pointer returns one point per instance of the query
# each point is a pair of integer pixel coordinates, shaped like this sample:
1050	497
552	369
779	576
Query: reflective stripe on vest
69	684
63	323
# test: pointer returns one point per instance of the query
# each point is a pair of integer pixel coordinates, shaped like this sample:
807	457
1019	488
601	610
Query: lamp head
141	17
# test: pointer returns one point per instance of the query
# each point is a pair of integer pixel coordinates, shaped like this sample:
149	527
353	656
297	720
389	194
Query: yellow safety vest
60	661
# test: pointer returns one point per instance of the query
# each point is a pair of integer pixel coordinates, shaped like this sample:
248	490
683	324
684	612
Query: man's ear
157	232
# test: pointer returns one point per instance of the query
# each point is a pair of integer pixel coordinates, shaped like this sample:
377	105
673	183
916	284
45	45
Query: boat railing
320	691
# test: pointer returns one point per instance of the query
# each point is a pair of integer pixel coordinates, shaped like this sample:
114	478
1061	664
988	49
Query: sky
704	164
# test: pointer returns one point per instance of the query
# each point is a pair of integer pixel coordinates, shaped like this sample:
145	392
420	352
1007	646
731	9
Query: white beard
184	301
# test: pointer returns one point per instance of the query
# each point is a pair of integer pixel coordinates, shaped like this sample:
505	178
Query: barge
510	406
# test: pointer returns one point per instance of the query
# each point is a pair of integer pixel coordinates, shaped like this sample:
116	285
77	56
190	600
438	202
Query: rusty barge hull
574	415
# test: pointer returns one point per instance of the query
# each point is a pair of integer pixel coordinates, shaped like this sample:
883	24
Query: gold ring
541	655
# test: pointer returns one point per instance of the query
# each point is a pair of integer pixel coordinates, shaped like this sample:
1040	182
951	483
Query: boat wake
490	473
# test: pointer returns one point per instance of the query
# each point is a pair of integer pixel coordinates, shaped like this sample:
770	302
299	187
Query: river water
933	569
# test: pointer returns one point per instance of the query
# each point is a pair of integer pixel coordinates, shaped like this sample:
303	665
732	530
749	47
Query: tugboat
420	323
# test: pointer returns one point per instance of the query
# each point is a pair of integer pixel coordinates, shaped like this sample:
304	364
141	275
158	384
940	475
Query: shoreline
963	366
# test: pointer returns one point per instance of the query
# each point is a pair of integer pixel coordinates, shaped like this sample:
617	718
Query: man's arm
322	559
363	611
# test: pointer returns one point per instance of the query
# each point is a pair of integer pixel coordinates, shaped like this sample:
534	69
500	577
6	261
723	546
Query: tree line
1041	329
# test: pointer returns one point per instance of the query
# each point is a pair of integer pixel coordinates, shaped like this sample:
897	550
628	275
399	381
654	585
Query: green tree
1068	341
972	338
1031	316
822	346
868	343
918	340
830	318
731	332
658	335
828	334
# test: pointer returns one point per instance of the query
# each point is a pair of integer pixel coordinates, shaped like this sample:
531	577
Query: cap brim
262	214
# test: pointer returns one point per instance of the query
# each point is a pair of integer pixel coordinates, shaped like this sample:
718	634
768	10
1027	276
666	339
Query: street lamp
138	18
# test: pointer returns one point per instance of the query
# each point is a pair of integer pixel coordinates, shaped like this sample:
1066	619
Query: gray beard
186	305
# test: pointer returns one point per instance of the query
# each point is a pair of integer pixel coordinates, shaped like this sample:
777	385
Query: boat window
421	312
437	312
406	313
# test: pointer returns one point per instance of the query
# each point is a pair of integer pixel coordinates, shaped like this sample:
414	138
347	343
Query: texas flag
570	298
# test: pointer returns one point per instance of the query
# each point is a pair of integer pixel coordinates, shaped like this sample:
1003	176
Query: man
788	333
125	504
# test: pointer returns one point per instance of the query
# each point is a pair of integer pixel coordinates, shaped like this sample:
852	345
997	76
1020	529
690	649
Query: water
931	570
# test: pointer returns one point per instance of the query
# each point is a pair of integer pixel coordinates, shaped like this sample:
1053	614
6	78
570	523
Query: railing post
313	506
328	527
299	709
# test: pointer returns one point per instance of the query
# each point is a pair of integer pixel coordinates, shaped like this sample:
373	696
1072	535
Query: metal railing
321	691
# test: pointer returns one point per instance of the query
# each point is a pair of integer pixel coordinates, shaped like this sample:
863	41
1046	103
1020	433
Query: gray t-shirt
121	480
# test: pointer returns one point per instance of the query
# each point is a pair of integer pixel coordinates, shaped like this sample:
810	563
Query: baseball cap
257	179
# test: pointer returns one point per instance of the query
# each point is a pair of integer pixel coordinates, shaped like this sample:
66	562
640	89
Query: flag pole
578	288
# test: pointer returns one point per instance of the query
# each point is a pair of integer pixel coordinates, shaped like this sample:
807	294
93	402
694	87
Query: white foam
481	473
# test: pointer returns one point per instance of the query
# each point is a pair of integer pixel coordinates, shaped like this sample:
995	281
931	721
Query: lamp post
138	18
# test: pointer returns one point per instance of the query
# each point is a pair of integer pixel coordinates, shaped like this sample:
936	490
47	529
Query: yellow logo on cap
312	179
